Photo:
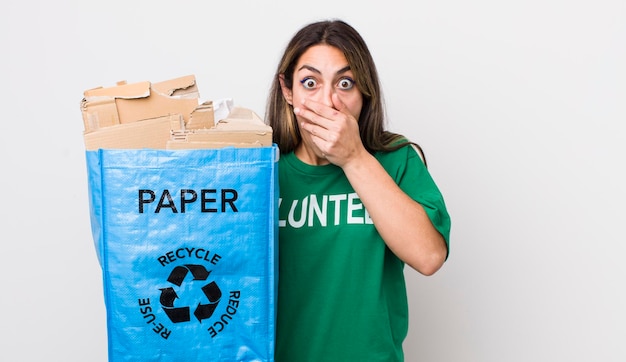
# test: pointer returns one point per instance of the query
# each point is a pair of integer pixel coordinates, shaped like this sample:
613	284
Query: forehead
325	58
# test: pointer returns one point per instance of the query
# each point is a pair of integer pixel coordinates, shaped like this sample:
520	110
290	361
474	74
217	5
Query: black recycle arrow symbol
169	296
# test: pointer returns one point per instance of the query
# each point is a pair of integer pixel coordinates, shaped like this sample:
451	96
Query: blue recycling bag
187	242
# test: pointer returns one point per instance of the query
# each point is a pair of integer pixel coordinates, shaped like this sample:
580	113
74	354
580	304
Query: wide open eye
309	83
345	83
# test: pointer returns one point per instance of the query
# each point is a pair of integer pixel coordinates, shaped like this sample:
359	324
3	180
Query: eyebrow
315	70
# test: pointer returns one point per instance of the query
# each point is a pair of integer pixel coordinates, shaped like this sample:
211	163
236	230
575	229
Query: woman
356	204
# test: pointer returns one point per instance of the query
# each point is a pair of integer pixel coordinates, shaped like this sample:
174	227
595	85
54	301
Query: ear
287	93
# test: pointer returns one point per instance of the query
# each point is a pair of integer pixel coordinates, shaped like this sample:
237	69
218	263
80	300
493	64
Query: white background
520	107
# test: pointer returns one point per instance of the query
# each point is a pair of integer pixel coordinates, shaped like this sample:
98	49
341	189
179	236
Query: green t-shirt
341	293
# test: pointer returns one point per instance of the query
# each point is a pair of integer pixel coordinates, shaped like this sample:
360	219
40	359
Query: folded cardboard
151	133
242	128
125	103
203	116
165	115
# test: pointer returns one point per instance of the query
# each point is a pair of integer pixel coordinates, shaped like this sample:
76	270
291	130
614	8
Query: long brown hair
337	33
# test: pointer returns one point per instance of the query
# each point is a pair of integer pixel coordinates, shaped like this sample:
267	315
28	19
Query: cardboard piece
242	128
202	117
126	103
151	133
165	115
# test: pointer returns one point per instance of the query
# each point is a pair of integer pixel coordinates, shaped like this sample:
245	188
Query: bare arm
401	221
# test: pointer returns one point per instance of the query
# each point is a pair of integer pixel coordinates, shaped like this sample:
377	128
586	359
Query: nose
326	95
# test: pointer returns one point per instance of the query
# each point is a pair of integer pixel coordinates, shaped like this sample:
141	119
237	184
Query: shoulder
402	148
397	141
403	161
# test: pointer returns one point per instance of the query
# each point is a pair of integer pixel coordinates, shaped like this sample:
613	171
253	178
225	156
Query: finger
310	116
314	130
320	110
